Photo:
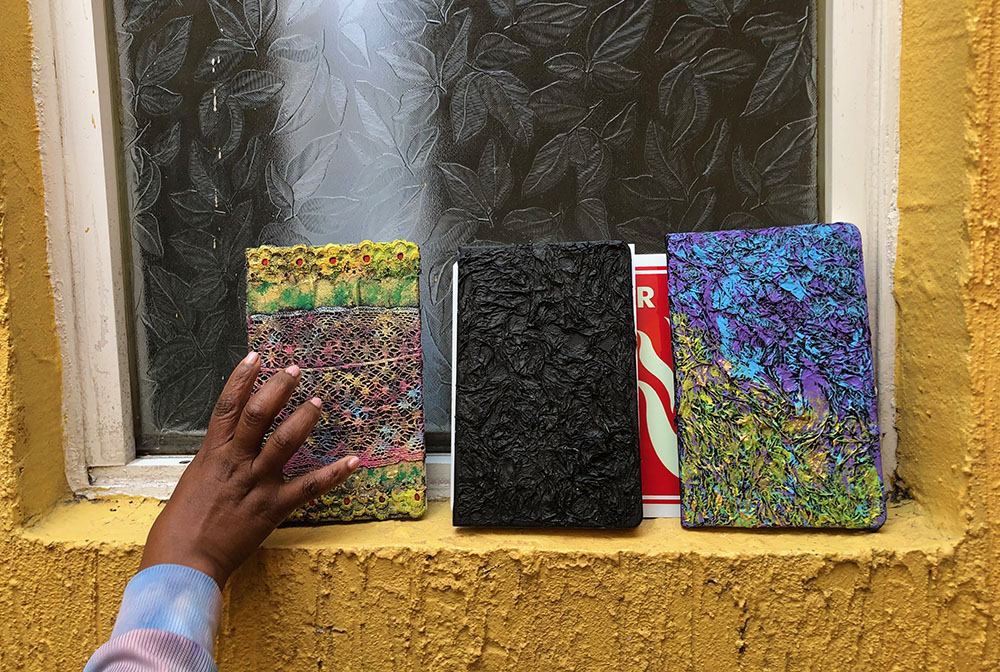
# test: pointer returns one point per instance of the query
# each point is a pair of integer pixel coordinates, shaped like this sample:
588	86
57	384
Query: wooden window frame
860	49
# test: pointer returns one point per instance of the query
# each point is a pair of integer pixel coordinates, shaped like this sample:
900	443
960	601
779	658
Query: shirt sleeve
167	621
151	651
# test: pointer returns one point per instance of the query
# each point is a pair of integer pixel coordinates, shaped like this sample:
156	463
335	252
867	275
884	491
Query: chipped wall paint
421	595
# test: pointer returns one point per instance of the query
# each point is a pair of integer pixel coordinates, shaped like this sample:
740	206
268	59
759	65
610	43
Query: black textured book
546	419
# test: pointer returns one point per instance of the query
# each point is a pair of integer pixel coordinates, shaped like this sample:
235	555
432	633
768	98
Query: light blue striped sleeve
163	607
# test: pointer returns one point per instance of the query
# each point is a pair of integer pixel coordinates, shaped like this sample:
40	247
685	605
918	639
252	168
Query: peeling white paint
84	246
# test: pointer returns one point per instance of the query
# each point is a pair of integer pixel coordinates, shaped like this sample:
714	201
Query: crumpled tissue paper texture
546	431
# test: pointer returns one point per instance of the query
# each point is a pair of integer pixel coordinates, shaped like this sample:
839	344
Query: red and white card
661	486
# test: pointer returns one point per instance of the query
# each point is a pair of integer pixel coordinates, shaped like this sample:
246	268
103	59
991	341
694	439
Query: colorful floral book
776	415
349	316
546	416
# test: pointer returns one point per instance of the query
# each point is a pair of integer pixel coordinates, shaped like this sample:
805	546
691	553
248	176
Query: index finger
231	401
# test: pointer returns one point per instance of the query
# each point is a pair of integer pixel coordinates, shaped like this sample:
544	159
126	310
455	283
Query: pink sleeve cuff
151	651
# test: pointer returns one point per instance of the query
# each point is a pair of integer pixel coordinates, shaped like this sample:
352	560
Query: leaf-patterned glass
446	122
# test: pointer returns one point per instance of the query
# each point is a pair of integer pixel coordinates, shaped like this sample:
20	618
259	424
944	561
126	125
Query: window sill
414	595
155	476
124	522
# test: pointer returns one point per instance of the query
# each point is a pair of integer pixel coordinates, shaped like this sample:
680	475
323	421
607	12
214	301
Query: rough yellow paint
933	263
30	374
920	594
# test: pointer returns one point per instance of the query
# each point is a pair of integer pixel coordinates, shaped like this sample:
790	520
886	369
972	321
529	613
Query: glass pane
446	122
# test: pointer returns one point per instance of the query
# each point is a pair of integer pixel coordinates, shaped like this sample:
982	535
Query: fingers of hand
288	436
309	486
232	400
260	411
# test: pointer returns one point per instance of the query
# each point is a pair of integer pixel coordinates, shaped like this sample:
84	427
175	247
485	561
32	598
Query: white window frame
860	49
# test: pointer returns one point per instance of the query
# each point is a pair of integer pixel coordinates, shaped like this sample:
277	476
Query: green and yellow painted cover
349	317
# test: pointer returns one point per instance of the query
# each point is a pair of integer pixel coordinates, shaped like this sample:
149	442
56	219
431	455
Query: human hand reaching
233	495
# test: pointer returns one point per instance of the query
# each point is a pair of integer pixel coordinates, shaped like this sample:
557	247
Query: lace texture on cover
348	316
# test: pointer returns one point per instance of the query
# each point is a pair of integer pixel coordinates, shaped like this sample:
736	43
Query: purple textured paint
776	417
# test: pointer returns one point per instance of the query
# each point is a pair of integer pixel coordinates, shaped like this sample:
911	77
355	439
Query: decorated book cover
776	402
349	317
661	486
546	416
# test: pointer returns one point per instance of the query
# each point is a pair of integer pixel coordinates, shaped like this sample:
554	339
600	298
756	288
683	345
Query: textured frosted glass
248	122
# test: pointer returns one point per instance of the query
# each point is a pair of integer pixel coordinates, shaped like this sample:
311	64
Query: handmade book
661	487
545	417
776	402
349	317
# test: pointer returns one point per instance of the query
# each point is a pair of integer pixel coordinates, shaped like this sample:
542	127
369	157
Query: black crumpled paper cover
546	429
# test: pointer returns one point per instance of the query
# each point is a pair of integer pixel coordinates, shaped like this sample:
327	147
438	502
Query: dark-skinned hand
233	495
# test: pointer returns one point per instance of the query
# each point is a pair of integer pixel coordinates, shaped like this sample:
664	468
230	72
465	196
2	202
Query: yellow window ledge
124	523
423	595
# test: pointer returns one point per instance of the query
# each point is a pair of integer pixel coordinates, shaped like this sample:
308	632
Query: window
252	121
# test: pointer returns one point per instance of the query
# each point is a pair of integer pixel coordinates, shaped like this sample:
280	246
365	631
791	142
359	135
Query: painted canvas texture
349	317
546	416
776	417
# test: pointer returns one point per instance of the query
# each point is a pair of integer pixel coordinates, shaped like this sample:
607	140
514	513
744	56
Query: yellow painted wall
920	594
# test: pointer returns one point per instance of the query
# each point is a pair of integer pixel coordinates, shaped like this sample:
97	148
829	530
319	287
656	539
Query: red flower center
263	262
347	500
367	258
400	256
298	262
417	496
333	261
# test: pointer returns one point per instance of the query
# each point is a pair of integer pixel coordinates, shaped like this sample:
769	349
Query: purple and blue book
777	418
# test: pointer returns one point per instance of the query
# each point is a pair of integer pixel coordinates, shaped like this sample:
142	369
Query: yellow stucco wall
920	594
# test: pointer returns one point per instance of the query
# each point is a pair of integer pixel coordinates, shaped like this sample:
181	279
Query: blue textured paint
776	398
